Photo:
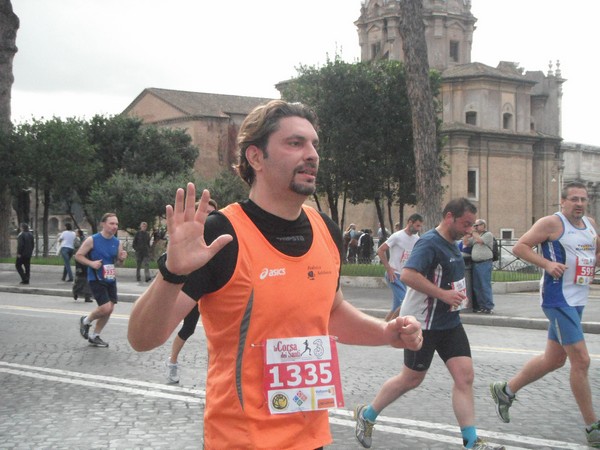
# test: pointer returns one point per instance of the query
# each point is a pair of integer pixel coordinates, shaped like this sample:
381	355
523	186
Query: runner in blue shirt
435	276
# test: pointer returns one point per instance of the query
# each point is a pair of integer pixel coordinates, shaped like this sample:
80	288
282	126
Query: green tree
147	154
227	188
137	198
160	150
343	96
113	137
59	159
365	132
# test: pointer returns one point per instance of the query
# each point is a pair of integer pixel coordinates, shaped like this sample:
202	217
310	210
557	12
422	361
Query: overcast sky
85	57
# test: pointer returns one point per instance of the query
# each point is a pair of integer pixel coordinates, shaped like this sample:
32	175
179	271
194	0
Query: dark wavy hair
260	124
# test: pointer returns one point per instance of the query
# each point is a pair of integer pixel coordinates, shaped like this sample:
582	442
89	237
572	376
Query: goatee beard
303	189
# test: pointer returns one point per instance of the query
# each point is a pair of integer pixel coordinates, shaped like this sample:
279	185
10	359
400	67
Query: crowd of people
233	268
358	245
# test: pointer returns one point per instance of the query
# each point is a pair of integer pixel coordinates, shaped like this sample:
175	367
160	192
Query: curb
126	298
467	318
498	287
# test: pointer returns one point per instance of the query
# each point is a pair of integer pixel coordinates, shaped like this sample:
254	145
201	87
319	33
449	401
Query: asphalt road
60	393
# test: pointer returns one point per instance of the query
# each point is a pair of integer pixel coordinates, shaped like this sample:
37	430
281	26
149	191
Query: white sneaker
482	445
172	372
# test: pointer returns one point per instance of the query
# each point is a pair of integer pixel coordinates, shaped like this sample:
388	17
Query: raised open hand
187	250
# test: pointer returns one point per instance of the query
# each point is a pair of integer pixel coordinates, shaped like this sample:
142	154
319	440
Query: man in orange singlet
266	274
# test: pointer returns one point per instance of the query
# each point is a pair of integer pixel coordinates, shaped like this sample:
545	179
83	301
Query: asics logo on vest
266	272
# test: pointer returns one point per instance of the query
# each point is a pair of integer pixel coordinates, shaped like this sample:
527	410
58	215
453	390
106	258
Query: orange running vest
270	295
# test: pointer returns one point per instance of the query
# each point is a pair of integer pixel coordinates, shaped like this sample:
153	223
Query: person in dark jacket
141	245
81	286
25	246
365	247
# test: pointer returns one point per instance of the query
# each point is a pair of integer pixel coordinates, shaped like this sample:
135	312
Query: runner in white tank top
569	251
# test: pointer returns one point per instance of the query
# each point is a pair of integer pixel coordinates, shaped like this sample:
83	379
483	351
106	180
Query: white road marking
340	417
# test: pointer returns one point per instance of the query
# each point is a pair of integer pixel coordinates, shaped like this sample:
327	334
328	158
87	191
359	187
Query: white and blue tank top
576	248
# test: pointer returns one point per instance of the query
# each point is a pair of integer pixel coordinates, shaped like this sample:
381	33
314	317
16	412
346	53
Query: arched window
473	184
507	121
454	51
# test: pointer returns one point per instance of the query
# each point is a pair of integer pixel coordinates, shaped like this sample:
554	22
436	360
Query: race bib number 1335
302	374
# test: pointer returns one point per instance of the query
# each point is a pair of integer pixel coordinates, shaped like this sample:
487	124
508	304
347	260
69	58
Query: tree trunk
401	206
91	220
380	217
428	176
23	206
332	205
316	200
46	216
9	24
390	211
343	218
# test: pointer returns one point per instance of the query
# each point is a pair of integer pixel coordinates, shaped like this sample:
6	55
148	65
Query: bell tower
449	27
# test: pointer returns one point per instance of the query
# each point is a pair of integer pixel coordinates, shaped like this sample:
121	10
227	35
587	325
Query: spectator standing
399	245
464	245
435	276
569	254
482	243
81	285
66	240
141	245
353	235
100	253
365	247
25	245
187	329
380	233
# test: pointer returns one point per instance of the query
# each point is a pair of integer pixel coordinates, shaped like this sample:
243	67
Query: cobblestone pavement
59	393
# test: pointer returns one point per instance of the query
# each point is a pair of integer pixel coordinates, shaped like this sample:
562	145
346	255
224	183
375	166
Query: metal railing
509	262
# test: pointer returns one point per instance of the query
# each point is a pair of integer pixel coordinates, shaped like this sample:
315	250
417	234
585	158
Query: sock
370	414
508	391
469	435
92	335
86	321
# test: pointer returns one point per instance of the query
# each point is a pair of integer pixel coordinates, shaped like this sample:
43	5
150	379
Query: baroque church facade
501	125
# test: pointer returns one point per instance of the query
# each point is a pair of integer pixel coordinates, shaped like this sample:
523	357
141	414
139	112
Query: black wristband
169	277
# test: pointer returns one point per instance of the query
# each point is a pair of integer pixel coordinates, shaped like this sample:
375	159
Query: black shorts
448	343
103	292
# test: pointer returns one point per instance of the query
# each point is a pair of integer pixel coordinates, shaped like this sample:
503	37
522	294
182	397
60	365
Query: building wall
212	135
151	110
489	98
445	21
504	165
582	163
